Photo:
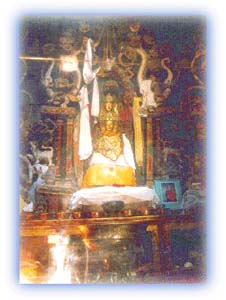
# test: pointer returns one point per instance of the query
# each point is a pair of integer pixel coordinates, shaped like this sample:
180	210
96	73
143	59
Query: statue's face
109	125
108	102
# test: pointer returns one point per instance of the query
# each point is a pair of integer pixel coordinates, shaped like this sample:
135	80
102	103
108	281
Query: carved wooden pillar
158	146
155	117
64	117
149	165
69	147
59	133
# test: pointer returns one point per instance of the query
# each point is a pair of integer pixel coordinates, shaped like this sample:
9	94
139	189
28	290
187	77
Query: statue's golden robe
102	174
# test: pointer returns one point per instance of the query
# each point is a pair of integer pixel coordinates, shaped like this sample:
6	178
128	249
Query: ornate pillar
59	133
158	146
69	151
64	118
155	117
149	164
138	135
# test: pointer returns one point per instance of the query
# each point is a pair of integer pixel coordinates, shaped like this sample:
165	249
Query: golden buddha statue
112	162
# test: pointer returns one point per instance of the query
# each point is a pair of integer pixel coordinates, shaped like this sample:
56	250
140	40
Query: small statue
44	153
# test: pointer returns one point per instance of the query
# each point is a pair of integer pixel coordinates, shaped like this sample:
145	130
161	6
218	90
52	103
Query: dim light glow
69	63
62	273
